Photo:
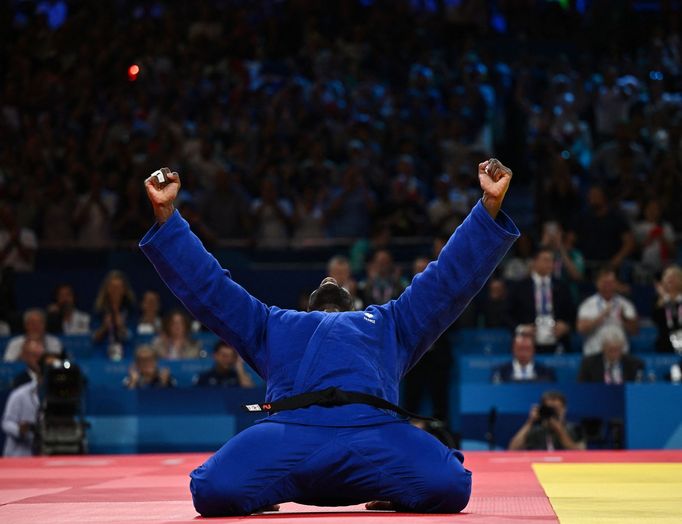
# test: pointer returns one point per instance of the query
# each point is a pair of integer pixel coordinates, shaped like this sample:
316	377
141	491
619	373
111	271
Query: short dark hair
542	249
219	344
603	271
553	395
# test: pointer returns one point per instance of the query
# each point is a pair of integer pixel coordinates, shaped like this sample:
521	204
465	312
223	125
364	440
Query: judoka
354	452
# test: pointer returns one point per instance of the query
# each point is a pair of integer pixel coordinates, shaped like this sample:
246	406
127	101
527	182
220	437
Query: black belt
328	398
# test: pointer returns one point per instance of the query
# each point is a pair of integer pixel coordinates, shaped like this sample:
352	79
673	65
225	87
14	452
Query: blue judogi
346	454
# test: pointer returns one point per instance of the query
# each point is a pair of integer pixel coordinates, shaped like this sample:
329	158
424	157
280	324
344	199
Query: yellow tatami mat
613	492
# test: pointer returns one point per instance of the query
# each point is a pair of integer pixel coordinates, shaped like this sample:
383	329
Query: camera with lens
546	412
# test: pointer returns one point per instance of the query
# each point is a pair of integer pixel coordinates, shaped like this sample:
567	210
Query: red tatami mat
154	489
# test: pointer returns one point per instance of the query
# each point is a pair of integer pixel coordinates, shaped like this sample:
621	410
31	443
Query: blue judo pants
270	463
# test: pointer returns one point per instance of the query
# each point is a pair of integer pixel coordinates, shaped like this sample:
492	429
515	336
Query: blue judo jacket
297	352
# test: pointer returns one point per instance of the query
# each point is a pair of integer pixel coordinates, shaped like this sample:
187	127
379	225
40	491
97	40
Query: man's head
596	199
224	356
672	280
612	343
523	346
31	351
607	283
65	296
419	265
543	261
34	323
145	361
151	303
555	400
330	297
382	263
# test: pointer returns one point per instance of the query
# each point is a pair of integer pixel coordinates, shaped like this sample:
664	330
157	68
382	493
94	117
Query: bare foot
380	505
274	507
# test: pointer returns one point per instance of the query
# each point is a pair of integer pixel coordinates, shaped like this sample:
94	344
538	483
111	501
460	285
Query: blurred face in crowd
558	405
612	350
497	290
383	263
652	211
177	326
116	289
31	352
543	264
225	357
419	265
596	199
150	304
339	270
65	297
34	324
672	281
145	360
523	347
606	284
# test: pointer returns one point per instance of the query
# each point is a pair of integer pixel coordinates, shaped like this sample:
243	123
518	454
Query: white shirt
13	351
526	372
22	406
592	307
78	324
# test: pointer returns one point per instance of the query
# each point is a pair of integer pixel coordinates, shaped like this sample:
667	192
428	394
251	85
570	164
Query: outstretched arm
440	293
196	278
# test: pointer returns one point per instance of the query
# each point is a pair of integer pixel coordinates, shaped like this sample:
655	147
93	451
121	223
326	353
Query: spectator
309	221
21	414
605	308
226	208
604	236
655	239
492	306
63	317
338	268
569	263
34	327
611	365
114	307
272	216
149	322
17	244
93	214
145	372
31	353
383	282
547	428
227	371
523	366
545	302
174	341
516	265
667	313
348	212
444	213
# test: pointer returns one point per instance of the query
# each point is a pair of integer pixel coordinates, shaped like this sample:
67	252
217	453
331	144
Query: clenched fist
163	195
494	178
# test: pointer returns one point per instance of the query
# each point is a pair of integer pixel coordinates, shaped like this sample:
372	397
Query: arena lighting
133	71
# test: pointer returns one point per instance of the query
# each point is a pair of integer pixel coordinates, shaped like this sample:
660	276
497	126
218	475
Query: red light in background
133	71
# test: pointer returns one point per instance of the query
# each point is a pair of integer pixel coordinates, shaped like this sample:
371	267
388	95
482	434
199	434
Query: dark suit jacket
592	368
521	305
505	373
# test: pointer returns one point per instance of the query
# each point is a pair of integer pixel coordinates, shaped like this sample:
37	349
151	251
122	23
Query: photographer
21	414
546	427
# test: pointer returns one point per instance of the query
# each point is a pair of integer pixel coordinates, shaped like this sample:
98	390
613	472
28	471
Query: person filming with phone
547	428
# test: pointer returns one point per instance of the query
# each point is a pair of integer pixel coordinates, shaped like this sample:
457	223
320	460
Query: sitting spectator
62	315
21	414
492	306
227	371
569	265
31	353
17	244
605	308
655	238
611	365
145	372
667	313
544	301
383	282
114	306
34	327
523	367
547	428
149	322
173	342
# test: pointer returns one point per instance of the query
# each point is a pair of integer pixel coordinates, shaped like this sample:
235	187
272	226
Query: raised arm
196	278
440	293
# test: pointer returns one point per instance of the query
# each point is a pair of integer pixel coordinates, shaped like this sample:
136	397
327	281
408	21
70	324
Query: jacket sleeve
439	294
206	289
